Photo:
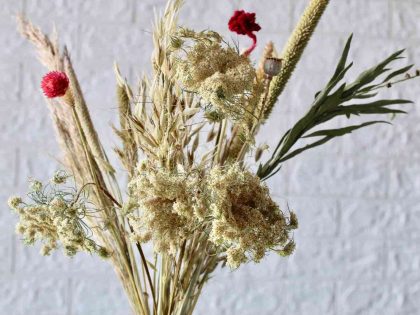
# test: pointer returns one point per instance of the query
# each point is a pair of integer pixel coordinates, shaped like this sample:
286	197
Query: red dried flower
243	23
55	83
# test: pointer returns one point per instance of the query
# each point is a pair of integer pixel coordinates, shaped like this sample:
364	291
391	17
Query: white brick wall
357	198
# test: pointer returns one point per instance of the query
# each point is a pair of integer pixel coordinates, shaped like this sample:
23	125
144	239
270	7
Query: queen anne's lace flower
246	221
221	76
59	177
55	217
230	203
14	202
165	207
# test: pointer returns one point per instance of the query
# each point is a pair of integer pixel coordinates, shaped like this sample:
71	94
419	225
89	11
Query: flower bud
60	177
176	42
35	186
272	66
14	202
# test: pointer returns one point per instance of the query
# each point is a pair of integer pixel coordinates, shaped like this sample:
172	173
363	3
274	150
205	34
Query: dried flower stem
268	53
100	190
69	136
294	49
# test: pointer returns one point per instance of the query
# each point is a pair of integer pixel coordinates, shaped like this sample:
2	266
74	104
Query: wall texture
358	198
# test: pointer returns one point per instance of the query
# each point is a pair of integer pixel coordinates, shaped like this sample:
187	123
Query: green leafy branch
332	102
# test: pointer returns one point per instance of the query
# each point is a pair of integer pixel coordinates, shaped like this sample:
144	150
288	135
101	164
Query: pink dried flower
54	84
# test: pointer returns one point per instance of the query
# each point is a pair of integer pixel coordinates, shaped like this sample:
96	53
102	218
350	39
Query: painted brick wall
357	198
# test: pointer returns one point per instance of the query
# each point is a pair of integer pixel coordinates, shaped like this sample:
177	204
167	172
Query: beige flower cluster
230	204
163	207
219	75
55	218
246	221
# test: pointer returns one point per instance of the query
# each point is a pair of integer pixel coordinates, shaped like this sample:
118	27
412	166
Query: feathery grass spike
294	50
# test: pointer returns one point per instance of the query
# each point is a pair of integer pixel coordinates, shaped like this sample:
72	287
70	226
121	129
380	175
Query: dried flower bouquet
196	199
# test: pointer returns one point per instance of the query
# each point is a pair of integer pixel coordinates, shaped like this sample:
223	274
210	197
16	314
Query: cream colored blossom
59	177
14	202
35	185
246	221
220	75
230	204
55	218
165	207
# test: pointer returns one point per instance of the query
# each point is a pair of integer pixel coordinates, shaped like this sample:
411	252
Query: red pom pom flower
54	84
243	23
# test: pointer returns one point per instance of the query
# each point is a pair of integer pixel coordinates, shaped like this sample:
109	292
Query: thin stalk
257	123
216	144
149	278
220	142
176	276
90	161
136	275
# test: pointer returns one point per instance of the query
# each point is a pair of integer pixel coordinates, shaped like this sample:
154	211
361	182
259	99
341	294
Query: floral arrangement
198	199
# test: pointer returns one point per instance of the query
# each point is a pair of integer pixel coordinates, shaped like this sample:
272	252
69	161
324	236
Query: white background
357	198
